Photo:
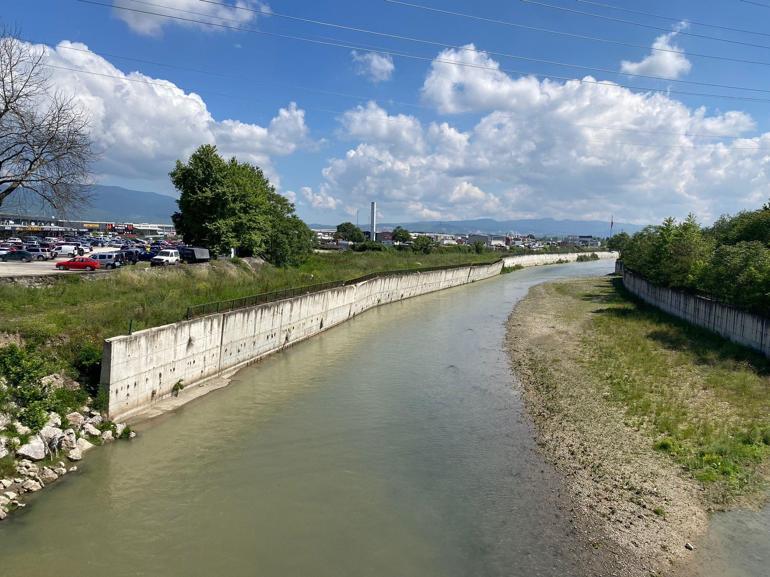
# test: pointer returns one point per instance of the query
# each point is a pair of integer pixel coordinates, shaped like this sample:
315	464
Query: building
14	225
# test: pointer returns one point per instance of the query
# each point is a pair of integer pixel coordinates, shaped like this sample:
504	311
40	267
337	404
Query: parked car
108	259
65	250
14	240
40	253
147	255
5	249
193	254
78	263
18	255
165	258
130	255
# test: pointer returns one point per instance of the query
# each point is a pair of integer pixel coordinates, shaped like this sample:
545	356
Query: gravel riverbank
632	501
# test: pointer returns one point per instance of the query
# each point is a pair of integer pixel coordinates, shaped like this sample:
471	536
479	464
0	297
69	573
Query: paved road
38	268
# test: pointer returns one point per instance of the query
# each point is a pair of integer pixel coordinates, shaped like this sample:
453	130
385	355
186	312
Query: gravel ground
630	500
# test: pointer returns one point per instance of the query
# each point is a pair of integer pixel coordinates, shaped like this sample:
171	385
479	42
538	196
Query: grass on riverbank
75	311
702	400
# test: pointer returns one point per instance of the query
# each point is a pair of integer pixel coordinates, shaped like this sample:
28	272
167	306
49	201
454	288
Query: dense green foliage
729	261
230	204
369	245
350	232
24	393
423	244
400	234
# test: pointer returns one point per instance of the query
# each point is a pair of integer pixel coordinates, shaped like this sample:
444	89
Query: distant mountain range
536	226
106	204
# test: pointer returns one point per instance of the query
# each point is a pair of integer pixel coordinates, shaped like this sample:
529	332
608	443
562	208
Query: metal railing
203	309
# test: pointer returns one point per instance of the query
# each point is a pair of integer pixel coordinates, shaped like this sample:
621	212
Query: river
393	445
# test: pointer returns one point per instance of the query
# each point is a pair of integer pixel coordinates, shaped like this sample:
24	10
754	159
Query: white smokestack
373	223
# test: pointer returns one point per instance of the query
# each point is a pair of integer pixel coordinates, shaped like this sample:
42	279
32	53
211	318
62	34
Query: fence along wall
143	367
734	324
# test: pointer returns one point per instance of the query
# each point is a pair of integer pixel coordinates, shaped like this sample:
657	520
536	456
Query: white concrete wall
732	323
143	367
541	259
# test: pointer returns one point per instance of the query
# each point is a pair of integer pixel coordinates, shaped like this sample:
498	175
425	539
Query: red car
78	263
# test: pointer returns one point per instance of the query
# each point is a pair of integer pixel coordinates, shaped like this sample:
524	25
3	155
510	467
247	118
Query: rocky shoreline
632	503
33	461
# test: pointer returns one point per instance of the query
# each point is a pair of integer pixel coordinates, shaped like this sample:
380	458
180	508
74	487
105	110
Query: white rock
91	430
69	440
95	419
132	435
107	436
5	420
73	468
4	500
75	455
60	470
75	419
47	475
34	449
84	445
21	429
11	495
5	483
3	514
50	434
54	420
31	486
119	428
3	451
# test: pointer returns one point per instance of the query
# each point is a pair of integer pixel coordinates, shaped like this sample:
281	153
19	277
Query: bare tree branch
45	147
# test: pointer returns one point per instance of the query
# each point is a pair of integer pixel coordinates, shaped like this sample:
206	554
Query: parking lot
40	268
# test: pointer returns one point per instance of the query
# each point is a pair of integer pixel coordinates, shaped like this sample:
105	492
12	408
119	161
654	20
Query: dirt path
630	499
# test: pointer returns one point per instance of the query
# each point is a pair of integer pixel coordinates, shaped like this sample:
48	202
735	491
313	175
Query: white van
166	257
65	250
108	259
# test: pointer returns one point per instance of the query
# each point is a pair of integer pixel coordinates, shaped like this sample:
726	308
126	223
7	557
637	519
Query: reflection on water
393	445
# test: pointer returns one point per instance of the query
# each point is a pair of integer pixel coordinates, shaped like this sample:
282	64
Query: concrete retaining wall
143	367
541	259
732	323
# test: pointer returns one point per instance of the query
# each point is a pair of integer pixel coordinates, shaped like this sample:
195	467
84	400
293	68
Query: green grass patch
70	317
703	400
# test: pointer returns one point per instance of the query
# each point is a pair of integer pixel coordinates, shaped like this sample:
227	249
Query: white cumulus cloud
376	66
666	59
141	20
142	125
573	149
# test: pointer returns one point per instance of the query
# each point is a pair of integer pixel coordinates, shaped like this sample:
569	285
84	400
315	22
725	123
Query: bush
423	244
88	364
369	245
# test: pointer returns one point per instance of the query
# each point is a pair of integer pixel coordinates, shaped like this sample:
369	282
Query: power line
408	55
756	3
672	18
166	84
641	25
571	34
452	46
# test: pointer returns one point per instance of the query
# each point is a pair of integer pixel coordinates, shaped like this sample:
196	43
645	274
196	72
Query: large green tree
226	204
349	231
400	234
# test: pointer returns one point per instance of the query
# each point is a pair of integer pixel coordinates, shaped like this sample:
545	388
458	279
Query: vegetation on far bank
699	399
729	261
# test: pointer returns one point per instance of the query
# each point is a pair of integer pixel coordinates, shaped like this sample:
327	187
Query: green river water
393	445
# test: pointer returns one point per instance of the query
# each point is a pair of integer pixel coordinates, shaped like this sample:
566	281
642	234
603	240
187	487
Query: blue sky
442	135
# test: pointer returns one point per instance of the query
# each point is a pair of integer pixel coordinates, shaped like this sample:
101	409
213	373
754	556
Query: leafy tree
479	246
400	234
350	232
740	274
423	244
618	241
231	204
45	146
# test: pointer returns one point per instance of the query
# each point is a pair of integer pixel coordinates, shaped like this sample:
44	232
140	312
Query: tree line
729	261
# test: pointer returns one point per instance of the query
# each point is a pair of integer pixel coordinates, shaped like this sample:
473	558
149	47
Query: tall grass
72	310
704	400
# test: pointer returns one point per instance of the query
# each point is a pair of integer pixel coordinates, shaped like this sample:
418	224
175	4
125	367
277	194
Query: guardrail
194	311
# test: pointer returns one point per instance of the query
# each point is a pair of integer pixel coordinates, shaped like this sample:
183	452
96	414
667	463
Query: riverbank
652	423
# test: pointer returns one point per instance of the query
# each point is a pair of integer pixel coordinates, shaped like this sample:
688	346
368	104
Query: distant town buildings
14	225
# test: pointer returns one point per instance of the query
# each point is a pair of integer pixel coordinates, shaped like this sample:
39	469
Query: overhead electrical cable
166	84
456	47
408	55
571	34
673	18
642	25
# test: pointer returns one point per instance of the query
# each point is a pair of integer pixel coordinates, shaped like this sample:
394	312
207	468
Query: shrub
369	245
